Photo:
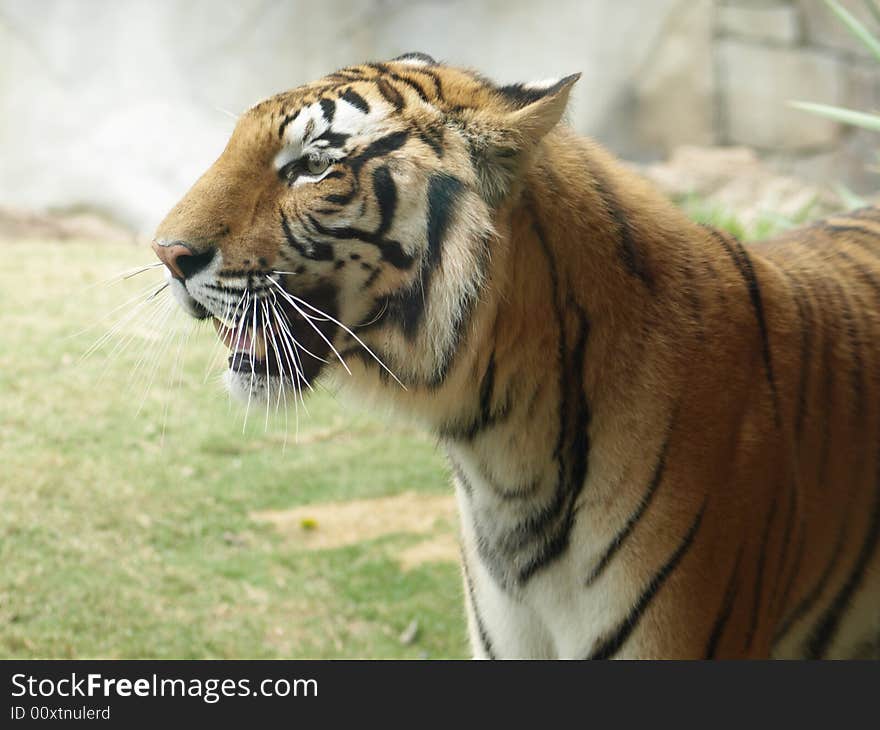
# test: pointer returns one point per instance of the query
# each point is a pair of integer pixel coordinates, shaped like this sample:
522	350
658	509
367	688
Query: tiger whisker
283	323
162	315
124	321
126	340
253	353
141	270
263	321
177	367
358	339
376	318
288	327
282	391
295	363
227	317
158	356
123	275
312	324
135	301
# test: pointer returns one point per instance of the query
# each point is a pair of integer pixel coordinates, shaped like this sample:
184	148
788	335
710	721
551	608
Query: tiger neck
560	384
591	260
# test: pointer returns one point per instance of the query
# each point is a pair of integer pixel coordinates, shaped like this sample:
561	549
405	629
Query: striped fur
665	443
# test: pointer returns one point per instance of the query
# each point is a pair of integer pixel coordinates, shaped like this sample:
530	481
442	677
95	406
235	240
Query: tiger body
664	444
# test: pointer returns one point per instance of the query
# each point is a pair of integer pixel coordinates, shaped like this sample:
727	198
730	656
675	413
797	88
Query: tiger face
348	222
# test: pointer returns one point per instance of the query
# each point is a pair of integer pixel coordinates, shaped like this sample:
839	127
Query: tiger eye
317	165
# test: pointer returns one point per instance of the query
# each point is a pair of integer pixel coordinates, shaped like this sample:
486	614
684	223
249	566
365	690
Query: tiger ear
538	106
503	134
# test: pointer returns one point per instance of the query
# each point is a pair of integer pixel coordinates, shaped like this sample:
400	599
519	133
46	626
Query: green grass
126	534
765	225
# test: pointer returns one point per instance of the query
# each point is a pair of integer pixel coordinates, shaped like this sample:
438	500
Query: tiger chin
665	444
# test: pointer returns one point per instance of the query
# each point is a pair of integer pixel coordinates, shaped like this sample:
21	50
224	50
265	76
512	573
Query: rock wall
118	105
772	51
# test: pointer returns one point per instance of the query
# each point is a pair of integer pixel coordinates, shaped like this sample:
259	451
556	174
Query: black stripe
786	540
328	109
460	326
759	578
795	570
382	146
743	264
610	646
356	100
431	135
826	628
336	140
342	199
407	80
487	388
311	249
414	85
851	228
391	251
481	627
634	518
726	609
287	120
571	452
632	257
288	234
407	308
348	75
808	601
371	279
318	250
385	191
390	94
488	415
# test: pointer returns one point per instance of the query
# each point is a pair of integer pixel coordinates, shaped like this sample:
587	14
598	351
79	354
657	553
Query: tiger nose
181	260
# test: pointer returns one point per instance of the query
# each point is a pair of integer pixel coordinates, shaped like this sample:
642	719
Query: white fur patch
412	61
541	85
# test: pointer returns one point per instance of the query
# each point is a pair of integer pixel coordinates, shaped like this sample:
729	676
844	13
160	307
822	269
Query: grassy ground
128	514
125	535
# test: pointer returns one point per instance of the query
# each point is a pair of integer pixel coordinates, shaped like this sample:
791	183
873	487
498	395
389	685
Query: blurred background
140	514
118	106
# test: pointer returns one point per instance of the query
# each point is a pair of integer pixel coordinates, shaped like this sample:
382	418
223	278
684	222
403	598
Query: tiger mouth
249	354
276	342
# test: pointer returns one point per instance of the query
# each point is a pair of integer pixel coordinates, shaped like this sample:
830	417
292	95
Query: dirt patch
338	524
17	224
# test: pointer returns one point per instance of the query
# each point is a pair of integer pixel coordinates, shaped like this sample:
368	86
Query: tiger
665	444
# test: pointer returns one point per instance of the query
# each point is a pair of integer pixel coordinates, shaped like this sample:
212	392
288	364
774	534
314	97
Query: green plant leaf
839	114
855	27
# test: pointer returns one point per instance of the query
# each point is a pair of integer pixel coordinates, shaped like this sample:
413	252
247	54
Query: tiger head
350	222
